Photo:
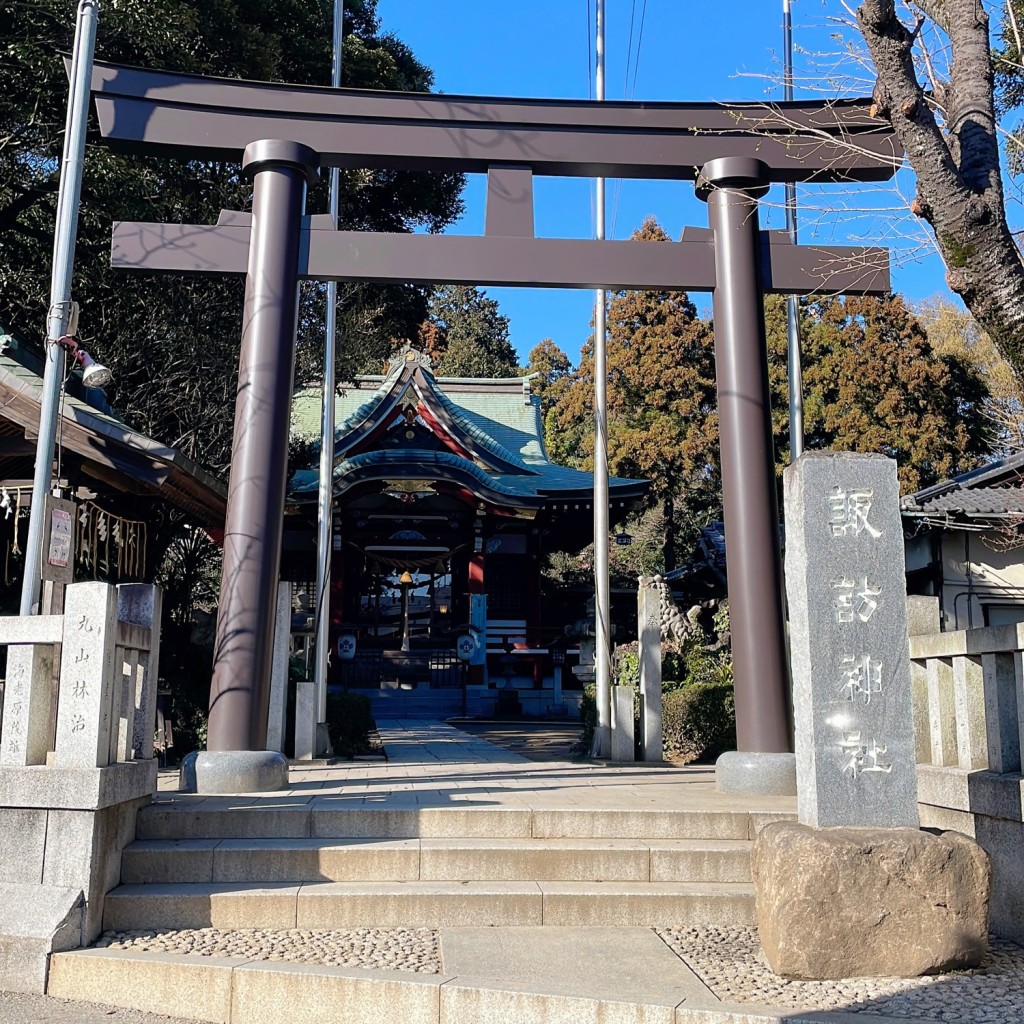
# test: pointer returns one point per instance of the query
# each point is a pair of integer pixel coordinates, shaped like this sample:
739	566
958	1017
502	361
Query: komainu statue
674	624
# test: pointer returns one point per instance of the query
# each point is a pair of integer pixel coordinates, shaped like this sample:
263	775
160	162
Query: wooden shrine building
126	486
446	505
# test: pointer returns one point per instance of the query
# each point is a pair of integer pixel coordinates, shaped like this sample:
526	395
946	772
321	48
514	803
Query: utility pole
796	376
59	317
325	519
602	593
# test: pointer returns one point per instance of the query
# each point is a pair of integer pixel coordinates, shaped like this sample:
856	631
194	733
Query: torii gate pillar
731	187
239	696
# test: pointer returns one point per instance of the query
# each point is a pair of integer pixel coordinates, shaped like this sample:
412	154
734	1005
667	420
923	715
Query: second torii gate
282	134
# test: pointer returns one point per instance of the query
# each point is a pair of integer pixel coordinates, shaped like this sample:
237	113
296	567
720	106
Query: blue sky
691	51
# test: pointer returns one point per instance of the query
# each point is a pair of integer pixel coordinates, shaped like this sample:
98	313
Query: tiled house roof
92	431
991	492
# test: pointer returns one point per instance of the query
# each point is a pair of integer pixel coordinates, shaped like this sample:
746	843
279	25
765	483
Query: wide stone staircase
543	883
423	702
221	864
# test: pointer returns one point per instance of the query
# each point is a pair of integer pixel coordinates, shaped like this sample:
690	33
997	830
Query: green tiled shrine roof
500	415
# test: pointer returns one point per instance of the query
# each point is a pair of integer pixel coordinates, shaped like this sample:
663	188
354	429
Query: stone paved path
17	1008
538	741
432	764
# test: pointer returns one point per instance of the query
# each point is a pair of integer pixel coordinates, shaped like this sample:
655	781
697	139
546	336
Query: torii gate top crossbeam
203	118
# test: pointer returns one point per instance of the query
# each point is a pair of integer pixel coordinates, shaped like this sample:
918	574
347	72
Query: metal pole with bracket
59	319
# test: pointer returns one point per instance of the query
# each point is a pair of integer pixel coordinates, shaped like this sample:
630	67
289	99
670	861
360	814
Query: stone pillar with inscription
648	626
85	710
854	888
26	732
65	819
847	591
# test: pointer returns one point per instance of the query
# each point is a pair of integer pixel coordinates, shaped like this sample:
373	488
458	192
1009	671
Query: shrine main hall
446	506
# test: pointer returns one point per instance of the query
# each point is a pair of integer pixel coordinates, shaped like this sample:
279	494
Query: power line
629	48
639	47
590	56
626	92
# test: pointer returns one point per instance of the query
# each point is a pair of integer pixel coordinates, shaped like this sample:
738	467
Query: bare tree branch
960	193
936	10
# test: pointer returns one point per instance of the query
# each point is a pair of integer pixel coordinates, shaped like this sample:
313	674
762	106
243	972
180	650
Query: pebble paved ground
730	963
727	960
394	949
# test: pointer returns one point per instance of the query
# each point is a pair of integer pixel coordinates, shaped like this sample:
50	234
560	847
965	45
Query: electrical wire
629	47
639	47
628	93
590	56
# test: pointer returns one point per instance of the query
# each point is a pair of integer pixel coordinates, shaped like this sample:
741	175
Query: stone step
235	991
297	818
457	860
423	904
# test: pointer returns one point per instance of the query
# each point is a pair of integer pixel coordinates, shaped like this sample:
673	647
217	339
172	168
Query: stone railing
106	693
968	691
76	764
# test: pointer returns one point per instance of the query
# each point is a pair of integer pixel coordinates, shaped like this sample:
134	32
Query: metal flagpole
58	320
602	608
326	492
796	377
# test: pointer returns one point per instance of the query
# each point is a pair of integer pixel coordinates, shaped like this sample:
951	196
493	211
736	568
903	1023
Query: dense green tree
874	383
471	334
172	341
553	369
662	423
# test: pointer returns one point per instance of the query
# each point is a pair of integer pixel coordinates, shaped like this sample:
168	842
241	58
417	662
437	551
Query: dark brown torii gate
283	133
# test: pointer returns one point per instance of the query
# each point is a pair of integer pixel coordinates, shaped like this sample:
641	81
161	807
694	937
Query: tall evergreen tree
552	367
471	334
662	422
874	383
172	340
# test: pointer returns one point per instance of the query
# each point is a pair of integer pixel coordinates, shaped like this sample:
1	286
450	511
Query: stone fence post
649	634
65	823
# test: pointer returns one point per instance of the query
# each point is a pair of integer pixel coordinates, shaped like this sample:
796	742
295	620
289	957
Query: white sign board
59	541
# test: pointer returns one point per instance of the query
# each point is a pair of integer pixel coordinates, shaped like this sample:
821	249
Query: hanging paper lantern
466	646
346	646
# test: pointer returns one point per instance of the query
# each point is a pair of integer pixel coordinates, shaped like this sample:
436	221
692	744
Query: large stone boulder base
854	902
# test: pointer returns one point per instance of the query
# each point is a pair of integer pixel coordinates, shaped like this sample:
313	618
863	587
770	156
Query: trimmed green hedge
699	721
349	723
588	716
